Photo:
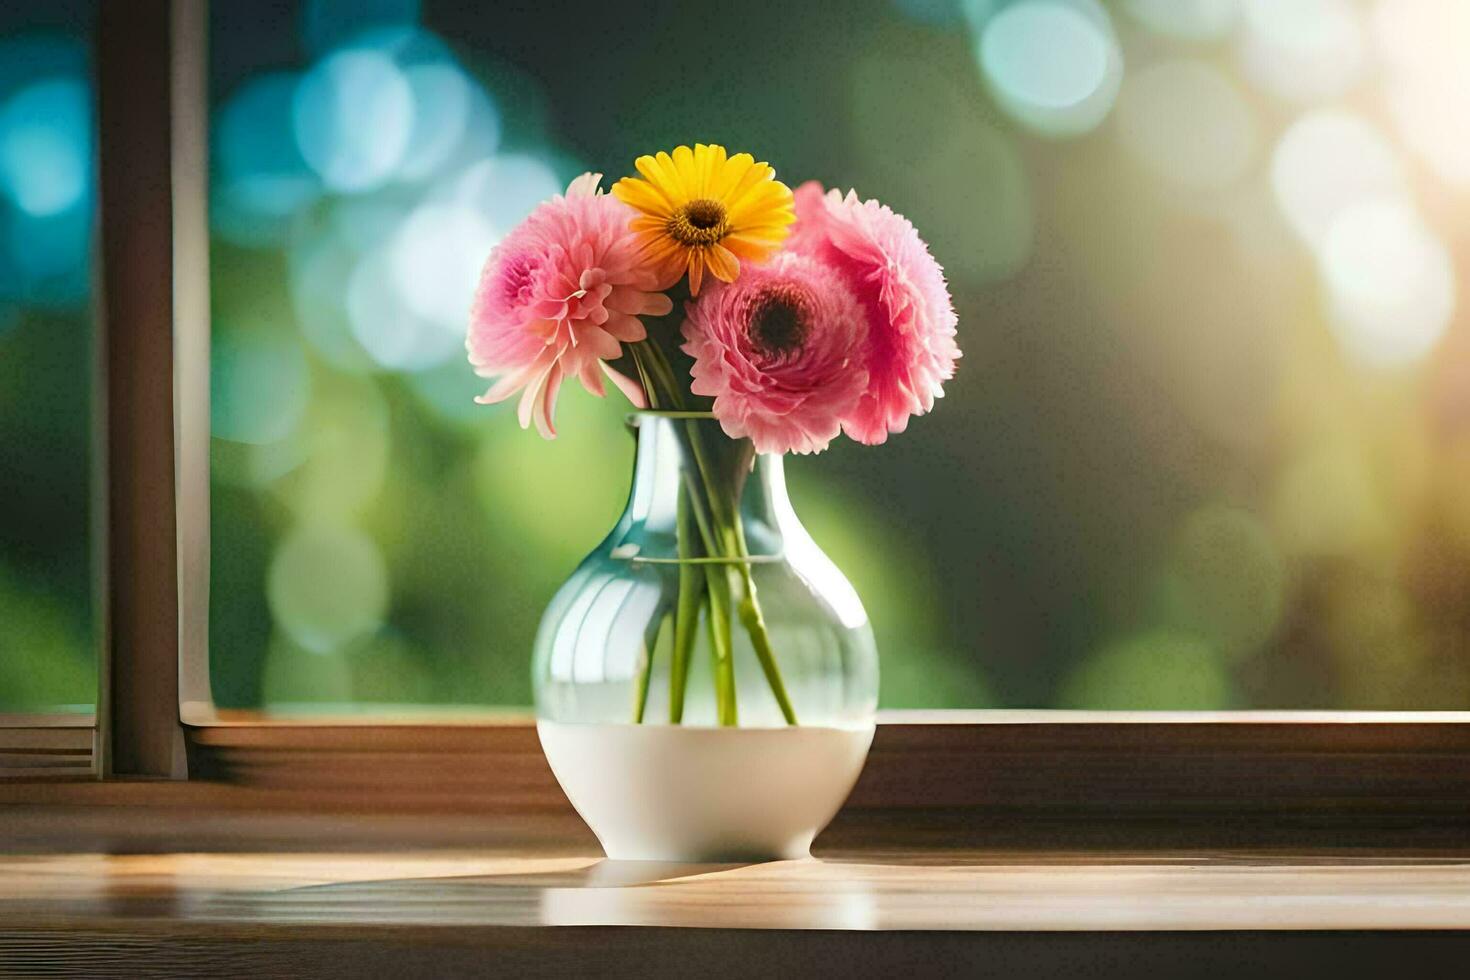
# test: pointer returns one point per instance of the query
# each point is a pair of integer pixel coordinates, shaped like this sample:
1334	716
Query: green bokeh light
1225	580
1161	670
328	585
47	662
560	497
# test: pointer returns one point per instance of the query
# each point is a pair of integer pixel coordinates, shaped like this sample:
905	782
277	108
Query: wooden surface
139	892
39	747
1331	768
901	889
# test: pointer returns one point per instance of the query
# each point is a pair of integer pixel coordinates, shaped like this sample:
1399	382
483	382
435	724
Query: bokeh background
47	197
1209	446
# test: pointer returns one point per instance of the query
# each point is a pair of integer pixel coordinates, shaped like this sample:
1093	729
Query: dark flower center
779	323
705	213
700	223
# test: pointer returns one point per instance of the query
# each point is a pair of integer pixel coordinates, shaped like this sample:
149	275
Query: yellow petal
684	167
762	215
729	175
766	239
643	196
710	161
661	174
768	193
696	272
748	248
722	262
648	167
756	182
665	259
649	222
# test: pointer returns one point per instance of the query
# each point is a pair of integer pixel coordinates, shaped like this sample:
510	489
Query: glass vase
708	657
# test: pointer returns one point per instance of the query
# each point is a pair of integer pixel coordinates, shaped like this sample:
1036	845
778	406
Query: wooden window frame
1202	771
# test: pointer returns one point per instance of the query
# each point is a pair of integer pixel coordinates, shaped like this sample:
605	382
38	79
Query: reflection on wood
533	899
901	890
208	884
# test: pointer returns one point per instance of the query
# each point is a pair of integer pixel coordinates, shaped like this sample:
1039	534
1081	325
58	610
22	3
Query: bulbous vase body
706	680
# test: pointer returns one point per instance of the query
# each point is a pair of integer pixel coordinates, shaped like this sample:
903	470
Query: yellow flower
701	209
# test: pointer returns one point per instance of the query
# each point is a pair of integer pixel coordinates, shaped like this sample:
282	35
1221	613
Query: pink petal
591	378
601	343
585	186
631	389
503	388
546	404
628	329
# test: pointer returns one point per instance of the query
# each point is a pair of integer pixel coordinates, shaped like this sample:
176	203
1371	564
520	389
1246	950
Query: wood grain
641	953
1404	769
202	886
925	890
539	907
47	751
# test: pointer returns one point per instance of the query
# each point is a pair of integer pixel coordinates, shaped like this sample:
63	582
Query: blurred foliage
1208	446
47	648
1165	477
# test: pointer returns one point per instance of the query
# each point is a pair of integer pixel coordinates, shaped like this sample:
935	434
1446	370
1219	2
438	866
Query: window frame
1374	770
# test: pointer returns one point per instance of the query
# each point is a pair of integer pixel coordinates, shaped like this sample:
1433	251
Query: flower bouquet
743	321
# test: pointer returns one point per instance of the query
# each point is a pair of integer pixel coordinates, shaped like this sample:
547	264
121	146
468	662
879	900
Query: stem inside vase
709	526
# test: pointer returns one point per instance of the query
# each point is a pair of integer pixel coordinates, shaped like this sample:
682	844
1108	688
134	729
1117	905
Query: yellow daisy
701	209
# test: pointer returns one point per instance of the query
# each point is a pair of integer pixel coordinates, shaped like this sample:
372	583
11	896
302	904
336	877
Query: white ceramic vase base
705	795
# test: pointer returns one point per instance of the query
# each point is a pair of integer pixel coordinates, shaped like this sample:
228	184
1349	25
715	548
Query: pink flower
776	349
911	349
559	296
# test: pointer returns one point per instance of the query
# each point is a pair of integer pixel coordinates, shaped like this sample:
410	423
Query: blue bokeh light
441	114
46	172
320	266
263	180
353	116
45	259
505	189
454	120
1052	65
46	146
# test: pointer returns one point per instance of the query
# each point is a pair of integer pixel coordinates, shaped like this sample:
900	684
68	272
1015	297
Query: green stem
686	612
659	366
723	534
760	638
643	376
755	625
655	371
716	578
650	645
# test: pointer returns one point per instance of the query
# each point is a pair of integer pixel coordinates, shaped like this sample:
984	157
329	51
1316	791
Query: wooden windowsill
1030	843
1182	770
208	891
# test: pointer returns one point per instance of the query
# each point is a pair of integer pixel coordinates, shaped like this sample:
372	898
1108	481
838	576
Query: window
48	661
1202	451
1197	764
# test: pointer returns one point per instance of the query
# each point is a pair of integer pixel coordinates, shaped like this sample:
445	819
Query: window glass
1208	446
47	200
